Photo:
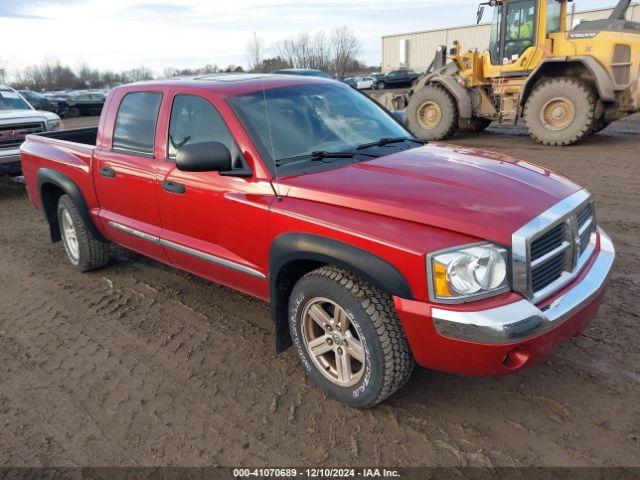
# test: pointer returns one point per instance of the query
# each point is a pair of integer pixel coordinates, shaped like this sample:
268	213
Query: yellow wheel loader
563	84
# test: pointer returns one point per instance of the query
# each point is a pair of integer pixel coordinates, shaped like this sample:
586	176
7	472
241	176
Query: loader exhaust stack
620	11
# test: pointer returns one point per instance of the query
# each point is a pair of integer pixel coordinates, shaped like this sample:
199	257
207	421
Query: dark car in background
48	104
351	81
396	79
80	103
305	72
86	103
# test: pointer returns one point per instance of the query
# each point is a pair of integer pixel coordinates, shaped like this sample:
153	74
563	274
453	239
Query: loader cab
519	34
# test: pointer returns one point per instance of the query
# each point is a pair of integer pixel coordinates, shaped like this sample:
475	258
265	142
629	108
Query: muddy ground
141	364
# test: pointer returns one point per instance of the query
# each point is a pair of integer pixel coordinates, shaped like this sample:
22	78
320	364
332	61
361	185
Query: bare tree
171	72
255	53
4	72
46	76
335	53
302	50
285	50
320	53
274	63
138	74
345	49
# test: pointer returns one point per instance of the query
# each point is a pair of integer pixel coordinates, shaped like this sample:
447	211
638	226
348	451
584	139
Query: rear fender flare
289	248
47	176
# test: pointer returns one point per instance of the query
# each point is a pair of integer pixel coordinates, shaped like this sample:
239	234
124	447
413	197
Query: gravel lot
141	364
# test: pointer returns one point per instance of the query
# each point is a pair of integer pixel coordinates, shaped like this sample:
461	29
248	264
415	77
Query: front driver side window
195	120
494	42
521	20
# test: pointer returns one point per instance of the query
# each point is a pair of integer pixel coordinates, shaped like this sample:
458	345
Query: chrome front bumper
521	320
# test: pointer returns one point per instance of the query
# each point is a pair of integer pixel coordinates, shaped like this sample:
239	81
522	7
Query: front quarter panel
400	243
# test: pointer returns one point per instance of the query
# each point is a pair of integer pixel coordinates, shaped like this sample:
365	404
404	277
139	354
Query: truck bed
85	136
68	152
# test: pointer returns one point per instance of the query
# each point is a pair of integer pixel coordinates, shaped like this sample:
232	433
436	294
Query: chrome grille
553	248
12	136
550	256
587	226
549	242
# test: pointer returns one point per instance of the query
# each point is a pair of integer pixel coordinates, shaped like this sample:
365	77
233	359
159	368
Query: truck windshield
299	120
10	100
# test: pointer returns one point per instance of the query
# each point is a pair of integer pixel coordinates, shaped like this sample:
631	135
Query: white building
416	50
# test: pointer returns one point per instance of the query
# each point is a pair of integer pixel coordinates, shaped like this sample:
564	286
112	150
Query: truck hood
473	192
16	116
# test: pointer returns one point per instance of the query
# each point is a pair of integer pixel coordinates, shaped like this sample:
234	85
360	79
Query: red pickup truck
375	251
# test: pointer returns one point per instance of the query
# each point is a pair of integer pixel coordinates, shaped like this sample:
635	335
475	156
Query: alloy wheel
333	342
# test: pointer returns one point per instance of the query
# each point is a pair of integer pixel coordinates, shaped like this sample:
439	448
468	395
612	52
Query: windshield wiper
320	155
387	141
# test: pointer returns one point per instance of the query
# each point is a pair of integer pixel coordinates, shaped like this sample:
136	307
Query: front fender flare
447	78
603	81
292	247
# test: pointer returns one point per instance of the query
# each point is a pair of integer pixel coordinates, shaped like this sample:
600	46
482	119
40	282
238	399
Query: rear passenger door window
196	120
135	127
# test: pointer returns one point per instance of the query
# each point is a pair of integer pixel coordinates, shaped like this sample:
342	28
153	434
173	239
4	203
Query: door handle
173	187
108	172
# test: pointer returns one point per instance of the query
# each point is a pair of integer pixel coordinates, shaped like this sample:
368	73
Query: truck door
209	227
125	175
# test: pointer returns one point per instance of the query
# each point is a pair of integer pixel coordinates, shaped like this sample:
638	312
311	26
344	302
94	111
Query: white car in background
364	83
17	120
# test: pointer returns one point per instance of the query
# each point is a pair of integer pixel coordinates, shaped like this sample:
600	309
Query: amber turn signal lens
441	285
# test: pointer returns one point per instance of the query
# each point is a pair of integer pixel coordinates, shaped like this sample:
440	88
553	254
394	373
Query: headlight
54	124
467	273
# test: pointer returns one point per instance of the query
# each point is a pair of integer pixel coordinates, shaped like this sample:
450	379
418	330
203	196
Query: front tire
348	337
432	113
84	251
560	111
380	86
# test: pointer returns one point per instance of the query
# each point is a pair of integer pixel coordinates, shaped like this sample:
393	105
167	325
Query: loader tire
560	111
432	113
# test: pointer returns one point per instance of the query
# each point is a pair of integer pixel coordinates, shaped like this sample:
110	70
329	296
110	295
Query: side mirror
480	13
204	157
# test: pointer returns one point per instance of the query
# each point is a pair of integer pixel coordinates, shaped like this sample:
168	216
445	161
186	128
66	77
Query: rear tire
340	324
432	113
84	251
560	111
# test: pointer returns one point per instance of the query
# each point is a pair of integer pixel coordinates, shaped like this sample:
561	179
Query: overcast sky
122	34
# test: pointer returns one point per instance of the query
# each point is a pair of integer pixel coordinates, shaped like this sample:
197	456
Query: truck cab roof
227	85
